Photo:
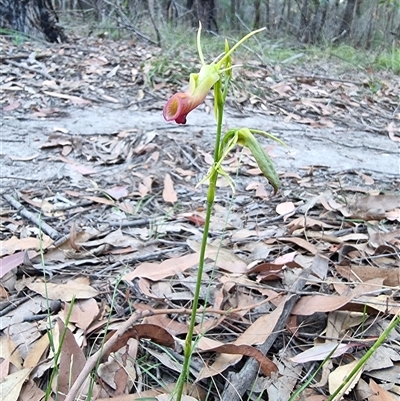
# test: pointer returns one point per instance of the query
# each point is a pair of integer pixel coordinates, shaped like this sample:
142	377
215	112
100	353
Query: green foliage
267	51
169	68
389	60
17	37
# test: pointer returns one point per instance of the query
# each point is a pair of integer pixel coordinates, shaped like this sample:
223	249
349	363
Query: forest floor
102	218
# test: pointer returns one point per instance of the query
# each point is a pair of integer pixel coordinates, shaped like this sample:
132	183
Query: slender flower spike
181	104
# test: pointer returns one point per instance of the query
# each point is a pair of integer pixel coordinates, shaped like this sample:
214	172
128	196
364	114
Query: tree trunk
267	15
318	22
170	12
347	20
205	11
31	17
234	20
303	16
281	21
257	14
371	25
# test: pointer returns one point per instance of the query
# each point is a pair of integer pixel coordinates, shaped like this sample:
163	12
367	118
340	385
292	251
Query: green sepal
246	138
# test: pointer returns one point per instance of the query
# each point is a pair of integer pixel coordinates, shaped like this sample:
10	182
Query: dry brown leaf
266	365
83	312
117	192
10	387
224	258
7	263
31	392
286	209
169	194
380	393
257	333
74	99
80	168
64	292
282	88
13	244
194	218
339	375
391	277
9	352
97	199
309	222
173	327
268	271
156	333
191	389
167	268
36	352
308	305
301	242
72	361
393	130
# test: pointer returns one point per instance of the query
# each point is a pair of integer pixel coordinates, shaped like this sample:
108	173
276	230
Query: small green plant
389	60
56	348
56	344
217	75
18	37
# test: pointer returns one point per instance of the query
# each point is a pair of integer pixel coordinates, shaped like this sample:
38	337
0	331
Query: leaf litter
126	230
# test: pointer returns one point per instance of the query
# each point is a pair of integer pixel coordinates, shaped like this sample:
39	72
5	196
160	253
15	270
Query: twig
131	223
10	177
44	73
53	234
93	360
238	383
322	78
12	306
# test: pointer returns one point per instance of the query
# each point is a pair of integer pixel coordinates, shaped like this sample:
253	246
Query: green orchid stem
219	99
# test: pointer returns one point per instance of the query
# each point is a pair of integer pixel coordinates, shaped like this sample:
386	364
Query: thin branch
238	383
35	219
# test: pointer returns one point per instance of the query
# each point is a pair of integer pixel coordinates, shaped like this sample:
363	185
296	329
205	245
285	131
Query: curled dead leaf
146	330
266	365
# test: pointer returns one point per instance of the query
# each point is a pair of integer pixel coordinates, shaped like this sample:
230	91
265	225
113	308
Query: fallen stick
96	357
238	383
51	232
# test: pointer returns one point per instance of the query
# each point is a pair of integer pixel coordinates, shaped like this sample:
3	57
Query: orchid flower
182	103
